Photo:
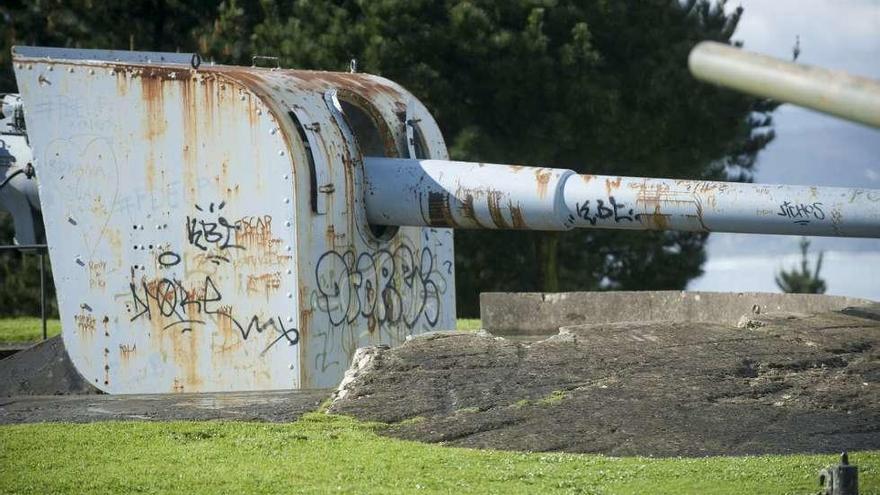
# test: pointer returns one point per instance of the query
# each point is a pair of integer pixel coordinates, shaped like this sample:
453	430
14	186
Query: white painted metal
834	92
471	195
465	195
120	56
186	251
18	184
704	206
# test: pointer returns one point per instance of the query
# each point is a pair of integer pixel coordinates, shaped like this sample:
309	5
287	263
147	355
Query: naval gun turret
239	228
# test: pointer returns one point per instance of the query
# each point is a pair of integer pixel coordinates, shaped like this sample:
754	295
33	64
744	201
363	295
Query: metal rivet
287	223
70	70
50	68
273	131
91	72
286	200
280	152
289	271
20	66
289	319
259	112
286	176
292	366
243	97
288	248
112	72
289	295
30	66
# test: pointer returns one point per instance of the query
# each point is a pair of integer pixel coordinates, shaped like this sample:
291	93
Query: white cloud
853	274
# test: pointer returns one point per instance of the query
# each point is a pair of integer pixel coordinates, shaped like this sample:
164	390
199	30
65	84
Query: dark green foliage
599	87
802	281
596	86
20	279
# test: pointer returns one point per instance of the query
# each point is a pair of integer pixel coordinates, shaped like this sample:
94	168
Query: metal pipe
43	295
8	247
477	195
833	92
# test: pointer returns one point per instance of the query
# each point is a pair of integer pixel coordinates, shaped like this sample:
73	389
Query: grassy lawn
468	324
26	329
323	453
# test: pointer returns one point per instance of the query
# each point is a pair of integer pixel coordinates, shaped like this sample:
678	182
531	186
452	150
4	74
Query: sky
810	148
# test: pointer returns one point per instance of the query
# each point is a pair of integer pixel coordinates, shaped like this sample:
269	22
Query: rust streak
152	92
516	214
439	214
659	219
612	185
493	201
467	208
543	178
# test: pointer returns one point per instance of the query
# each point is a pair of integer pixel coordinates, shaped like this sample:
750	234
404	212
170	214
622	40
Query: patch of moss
412	421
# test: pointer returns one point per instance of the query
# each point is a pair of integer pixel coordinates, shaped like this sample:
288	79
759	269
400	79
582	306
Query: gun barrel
834	92
454	194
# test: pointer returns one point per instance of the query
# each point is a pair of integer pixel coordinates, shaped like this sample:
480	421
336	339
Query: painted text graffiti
393	287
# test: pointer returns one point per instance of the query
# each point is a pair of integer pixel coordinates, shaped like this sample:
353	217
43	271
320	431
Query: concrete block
528	313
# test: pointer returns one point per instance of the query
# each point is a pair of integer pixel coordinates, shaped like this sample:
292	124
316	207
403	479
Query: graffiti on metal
188	251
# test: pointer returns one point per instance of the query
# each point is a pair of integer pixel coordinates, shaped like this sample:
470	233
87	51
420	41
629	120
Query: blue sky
810	148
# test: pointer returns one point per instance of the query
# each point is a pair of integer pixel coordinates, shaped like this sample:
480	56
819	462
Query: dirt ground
784	383
776	383
274	406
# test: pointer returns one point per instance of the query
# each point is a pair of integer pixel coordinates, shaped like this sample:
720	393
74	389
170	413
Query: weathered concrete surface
42	369
276	406
780	384
504	313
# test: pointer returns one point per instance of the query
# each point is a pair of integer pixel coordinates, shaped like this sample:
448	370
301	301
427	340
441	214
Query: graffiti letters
85	322
168	258
265	283
395	287
801	213
97	269
604	210
178	306
213	232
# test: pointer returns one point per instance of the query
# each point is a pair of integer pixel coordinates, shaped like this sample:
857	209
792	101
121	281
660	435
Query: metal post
43	294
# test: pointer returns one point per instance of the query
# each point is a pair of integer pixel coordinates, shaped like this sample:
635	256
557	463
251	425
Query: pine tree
802	281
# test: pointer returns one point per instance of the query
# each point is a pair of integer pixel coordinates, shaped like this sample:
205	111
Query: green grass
26	329
552	399
321	453
468	324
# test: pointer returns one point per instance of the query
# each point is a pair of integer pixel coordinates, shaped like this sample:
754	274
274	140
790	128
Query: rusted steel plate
179	212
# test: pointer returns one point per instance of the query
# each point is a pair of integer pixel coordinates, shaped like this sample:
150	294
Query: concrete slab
784	383
504	313
42	369
274	406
